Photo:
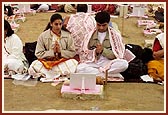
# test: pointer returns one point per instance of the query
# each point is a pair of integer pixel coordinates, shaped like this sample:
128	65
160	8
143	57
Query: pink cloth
82	25
67	89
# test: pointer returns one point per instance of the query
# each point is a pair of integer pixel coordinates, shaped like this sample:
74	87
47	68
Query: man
107	48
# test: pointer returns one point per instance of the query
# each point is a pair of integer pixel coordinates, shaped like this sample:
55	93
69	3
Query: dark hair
52	19
102	17
147	55
82	8
73	5
9	10
7	27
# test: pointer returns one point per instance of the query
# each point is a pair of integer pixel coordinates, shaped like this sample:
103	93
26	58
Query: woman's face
56	26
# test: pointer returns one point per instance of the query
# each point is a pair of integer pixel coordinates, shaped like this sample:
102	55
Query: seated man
81	25
106	48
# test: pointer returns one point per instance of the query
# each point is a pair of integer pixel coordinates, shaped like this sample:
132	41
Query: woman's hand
159	54
57	47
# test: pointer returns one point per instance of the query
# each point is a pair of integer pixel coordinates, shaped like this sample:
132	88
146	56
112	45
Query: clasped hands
99	49
57	47
57	51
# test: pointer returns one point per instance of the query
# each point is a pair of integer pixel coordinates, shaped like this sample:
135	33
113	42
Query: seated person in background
110	8
43	8
154	58
54	50
159	14
34	6
70	8
79	25
57	7
80	8
105	48
14	58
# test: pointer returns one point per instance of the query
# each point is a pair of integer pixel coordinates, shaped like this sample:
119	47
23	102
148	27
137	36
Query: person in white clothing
14	58
43	8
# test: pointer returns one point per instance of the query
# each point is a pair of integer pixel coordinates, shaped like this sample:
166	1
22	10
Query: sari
156	66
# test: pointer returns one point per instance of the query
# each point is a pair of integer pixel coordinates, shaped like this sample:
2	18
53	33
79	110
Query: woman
55	50
156	66
14	58
154	58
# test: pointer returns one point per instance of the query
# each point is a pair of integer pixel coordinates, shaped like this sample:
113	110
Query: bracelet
55	53
58	55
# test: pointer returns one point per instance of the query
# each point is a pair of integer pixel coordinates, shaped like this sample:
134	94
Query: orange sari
49	64
156	69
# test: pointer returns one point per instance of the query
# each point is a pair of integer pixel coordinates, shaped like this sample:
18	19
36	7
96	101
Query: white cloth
43	7
101	36
37	69
117	66
13	54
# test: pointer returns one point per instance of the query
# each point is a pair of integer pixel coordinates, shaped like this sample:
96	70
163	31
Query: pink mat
66	89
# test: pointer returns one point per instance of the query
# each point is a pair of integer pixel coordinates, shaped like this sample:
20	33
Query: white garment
101	36
117	66
43	7
37	69
13	54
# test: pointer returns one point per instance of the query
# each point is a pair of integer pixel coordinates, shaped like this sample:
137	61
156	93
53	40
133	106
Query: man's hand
99	48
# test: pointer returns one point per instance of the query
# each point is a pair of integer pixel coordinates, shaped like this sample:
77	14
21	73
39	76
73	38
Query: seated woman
14	58
155	58
54	50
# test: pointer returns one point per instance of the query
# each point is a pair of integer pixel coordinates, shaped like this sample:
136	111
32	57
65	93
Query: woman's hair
52	19
9	10
7	27
102	17
82	8
147	55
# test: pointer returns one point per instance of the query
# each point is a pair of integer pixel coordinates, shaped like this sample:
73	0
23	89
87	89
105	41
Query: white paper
146	78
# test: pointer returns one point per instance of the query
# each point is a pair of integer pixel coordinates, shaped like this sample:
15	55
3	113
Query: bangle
58	55
55	53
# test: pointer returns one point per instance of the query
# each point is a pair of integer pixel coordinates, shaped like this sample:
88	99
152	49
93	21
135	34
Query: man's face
102	27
